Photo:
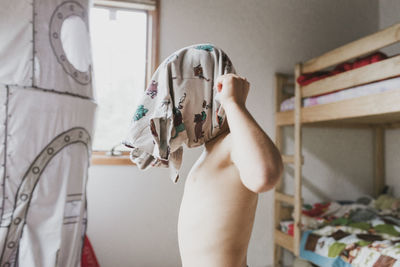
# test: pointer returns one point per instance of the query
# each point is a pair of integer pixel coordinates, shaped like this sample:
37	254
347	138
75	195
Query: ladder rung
290	159
284	198
284	240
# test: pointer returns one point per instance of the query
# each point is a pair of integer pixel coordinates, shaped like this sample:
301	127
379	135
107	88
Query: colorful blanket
374	244
353	235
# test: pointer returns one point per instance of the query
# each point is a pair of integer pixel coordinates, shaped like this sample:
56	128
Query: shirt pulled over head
180	106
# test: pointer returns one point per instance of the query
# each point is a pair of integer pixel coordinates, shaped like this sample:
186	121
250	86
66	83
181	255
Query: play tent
46	123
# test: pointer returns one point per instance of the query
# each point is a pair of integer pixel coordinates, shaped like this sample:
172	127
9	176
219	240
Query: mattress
354	92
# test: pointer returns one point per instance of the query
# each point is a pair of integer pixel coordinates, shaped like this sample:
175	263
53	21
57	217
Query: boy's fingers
219	87
220	81
242	81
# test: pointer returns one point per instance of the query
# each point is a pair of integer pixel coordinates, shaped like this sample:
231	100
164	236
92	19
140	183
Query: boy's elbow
268	182
268	178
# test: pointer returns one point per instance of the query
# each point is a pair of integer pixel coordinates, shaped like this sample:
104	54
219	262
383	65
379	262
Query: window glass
119	66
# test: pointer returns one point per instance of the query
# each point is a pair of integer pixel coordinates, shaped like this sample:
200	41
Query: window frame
102	157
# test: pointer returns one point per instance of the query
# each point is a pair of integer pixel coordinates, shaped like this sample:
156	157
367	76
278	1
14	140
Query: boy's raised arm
254	154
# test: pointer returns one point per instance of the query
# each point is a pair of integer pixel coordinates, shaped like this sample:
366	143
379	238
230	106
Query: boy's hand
232	89
252	151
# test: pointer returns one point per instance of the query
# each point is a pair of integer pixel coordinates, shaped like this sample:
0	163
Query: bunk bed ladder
281	239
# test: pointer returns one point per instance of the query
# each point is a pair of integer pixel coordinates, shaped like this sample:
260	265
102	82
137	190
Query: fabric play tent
46	123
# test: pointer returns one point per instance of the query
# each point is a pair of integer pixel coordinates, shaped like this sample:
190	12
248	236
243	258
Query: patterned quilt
362	237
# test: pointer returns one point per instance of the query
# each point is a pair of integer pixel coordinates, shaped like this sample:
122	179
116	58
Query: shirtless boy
221	191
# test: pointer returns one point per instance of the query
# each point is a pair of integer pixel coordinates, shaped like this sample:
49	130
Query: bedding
374	243
320	214
309	78
354	92
362	233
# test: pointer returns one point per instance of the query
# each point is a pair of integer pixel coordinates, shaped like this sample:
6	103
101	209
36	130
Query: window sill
101	158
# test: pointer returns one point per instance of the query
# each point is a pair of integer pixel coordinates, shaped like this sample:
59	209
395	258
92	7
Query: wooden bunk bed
376	112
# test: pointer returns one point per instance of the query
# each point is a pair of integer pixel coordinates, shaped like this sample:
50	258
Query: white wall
389	14
133	215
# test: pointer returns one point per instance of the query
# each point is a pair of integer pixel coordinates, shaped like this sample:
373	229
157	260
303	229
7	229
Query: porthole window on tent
124	48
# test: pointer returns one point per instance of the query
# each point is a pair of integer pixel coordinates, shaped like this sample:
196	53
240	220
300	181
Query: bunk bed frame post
379	160
297	162
282	240
279	81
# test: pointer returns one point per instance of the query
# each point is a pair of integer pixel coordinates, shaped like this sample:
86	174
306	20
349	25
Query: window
124	49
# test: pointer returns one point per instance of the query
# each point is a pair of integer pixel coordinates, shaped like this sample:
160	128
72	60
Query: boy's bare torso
217	211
